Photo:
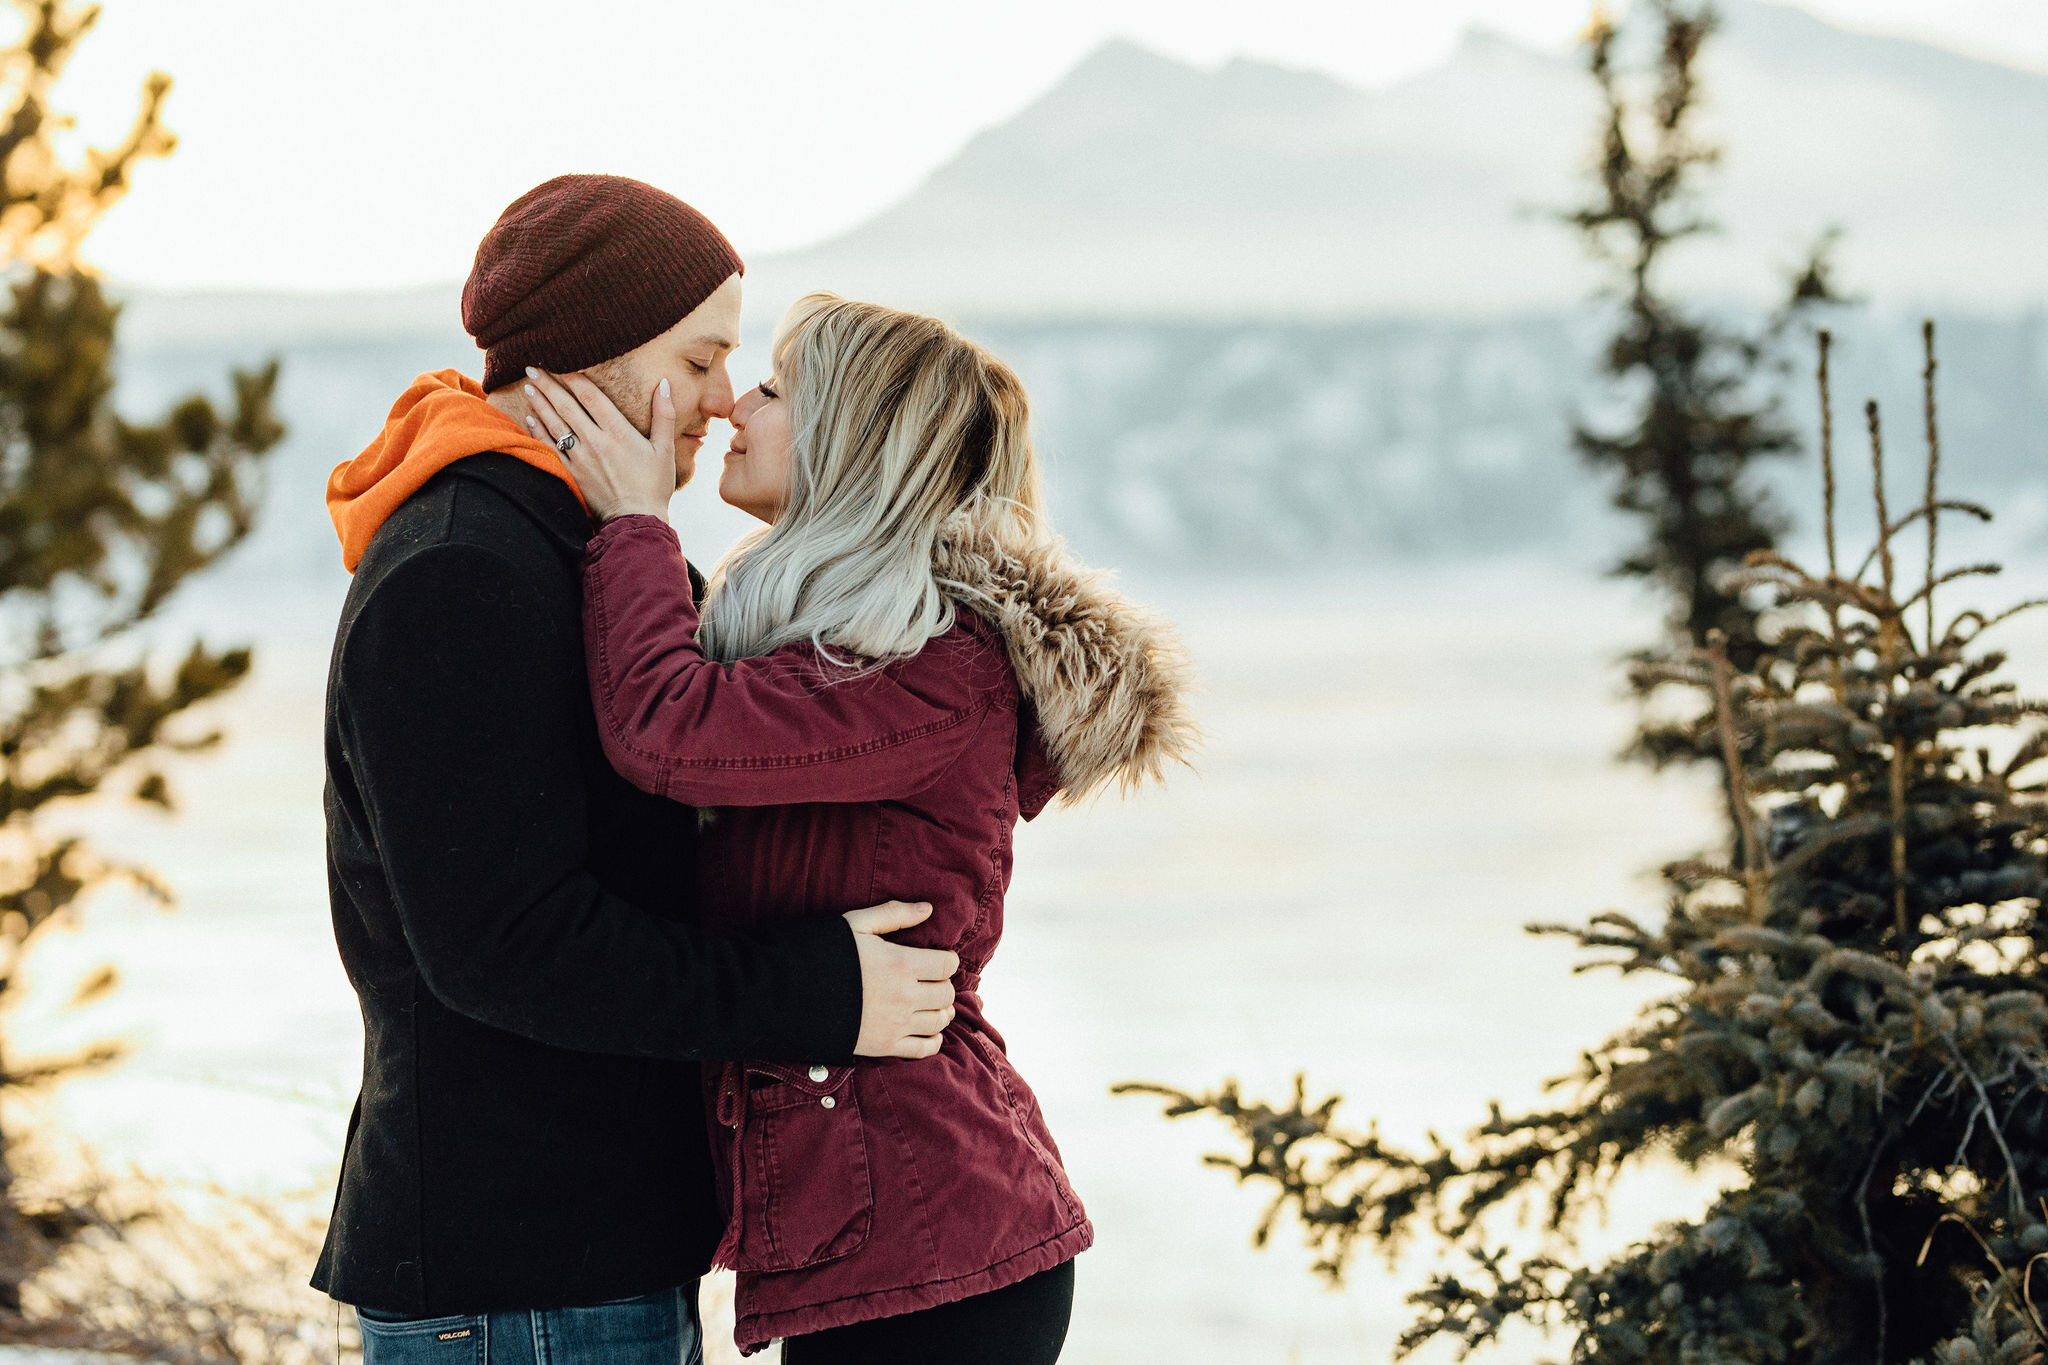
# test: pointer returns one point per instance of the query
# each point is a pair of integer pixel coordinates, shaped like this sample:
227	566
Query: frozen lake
1402	771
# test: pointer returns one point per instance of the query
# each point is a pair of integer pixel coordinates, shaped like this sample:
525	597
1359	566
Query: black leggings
1021	1324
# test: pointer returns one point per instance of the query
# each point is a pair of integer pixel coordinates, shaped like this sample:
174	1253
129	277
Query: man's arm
462	730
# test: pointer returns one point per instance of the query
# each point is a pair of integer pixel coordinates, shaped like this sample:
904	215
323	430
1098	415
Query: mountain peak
1791	38
1143	184
1121	62
1480	43
1261	78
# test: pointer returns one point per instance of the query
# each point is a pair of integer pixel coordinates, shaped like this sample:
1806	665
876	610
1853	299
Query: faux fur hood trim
1109	679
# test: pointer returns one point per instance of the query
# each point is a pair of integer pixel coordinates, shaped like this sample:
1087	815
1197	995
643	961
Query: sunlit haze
368	146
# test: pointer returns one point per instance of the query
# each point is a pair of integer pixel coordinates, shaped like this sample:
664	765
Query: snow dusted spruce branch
1858	1024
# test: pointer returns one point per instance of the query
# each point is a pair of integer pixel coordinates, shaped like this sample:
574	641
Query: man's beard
619	380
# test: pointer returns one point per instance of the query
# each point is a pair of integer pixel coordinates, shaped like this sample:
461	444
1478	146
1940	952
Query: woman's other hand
620	472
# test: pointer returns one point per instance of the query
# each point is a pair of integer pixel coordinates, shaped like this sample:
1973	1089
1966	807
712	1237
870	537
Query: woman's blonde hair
899	425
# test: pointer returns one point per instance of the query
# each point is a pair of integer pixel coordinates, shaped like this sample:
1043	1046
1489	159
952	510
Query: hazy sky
369	144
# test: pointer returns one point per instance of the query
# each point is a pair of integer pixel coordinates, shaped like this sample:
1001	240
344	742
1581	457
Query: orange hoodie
442	418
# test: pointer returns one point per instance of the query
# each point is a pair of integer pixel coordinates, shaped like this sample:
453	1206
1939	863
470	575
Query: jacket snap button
828	1102
819	1073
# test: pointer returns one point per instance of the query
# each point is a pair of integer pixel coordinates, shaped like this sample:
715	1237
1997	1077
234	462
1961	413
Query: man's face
691	356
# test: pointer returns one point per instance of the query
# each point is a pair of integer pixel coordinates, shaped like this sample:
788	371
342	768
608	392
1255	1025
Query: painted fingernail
663	388
532	373
531	392
532	425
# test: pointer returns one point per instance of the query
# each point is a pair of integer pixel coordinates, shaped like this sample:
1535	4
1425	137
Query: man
526	1174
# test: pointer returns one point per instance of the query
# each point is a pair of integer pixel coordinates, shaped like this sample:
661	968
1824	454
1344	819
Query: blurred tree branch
101	520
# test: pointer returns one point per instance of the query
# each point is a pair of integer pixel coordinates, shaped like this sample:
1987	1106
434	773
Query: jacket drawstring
732	1113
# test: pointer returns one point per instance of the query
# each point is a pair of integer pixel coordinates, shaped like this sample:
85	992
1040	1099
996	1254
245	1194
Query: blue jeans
655	1329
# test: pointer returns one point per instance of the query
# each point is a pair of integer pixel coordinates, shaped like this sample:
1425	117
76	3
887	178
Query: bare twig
1892	637
1731	760
1827	452
1884	519
1976	510
2015	1190
1870	1242
1933	473
1827	486
1984	623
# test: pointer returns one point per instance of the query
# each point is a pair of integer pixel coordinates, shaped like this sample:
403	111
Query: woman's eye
768	389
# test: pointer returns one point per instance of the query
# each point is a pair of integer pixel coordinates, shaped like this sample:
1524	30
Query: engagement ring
567	442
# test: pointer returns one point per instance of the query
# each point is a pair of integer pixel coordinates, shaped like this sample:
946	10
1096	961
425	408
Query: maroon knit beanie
585	268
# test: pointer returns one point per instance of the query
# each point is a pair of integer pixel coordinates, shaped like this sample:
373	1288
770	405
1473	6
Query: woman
878	685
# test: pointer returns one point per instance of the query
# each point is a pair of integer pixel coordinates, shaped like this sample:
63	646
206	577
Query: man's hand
906	994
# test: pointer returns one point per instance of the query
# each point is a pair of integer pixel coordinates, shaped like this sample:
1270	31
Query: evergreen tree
101	520
1860	1020
1859	1024
1703	412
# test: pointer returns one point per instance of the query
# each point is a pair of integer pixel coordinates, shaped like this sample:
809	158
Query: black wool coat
519	924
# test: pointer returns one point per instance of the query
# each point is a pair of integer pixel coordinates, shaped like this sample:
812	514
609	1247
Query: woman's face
756	474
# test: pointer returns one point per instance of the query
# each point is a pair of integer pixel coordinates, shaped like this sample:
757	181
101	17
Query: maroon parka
865	1191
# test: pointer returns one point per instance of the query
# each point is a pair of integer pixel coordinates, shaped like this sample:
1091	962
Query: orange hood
442	418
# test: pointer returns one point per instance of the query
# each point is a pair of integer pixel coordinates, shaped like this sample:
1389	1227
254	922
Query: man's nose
717	399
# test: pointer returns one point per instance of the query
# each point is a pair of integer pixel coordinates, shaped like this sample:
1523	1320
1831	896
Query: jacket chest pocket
806	1195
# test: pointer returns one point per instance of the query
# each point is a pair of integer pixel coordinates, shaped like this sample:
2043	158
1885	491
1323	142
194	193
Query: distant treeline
1294	444
1238	446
